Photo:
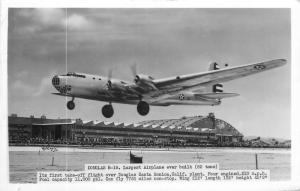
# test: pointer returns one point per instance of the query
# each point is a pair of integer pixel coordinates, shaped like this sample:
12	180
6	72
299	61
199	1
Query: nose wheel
107	111
71	105
143	108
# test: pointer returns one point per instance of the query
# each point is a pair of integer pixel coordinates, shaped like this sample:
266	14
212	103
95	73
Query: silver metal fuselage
94	87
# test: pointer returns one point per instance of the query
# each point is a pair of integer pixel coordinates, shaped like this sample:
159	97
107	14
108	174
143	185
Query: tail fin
213	66
216	88
215	91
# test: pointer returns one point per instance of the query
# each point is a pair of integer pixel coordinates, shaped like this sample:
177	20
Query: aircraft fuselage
94	87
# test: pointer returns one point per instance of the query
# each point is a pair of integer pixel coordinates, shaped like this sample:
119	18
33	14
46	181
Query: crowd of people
113	142
37	140
136	142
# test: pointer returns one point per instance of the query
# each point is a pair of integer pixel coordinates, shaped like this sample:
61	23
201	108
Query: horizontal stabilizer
217	95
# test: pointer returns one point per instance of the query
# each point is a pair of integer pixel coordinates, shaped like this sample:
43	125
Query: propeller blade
134	69
109	74
108	84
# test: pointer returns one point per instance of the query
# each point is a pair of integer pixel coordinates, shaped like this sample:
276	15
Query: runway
26	161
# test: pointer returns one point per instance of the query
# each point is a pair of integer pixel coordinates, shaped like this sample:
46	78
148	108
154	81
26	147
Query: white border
295	14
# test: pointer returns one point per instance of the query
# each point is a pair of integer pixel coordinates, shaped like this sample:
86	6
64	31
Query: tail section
216	88
215	91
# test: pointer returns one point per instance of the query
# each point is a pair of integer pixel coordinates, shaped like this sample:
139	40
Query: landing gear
107	111
143	108
71	105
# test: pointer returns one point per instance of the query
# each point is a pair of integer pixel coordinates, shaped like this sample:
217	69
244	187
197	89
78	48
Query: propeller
134	69
134	72
108	84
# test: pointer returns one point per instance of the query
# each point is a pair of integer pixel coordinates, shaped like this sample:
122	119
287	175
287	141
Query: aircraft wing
173	85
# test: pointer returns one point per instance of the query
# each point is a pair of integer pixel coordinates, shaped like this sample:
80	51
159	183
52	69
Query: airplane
191	89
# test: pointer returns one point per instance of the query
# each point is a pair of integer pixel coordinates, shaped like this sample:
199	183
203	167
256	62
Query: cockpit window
75	75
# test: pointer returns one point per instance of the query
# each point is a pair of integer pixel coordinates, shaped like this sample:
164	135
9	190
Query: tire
107	111
70	105
143	108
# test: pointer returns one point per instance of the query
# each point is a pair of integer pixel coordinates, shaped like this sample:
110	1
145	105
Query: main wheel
107	111
70	105
143	108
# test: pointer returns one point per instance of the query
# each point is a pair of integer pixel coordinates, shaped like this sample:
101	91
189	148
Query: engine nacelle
143	78
115	85
145	81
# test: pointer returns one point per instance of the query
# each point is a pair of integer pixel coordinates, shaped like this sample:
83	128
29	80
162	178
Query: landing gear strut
107	111
143	108
71	104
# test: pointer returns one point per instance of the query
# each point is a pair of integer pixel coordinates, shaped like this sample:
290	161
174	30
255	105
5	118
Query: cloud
21	74
30	90
43	87
22	88
50	16
78	22
32	21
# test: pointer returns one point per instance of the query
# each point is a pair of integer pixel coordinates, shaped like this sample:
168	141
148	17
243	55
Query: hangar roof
183	122
196	123
205	124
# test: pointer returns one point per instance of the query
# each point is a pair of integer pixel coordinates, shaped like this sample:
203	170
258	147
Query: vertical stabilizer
216	88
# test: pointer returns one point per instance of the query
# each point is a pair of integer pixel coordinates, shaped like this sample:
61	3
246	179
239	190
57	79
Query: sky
163	43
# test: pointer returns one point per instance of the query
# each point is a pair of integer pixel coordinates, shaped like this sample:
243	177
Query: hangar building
186	131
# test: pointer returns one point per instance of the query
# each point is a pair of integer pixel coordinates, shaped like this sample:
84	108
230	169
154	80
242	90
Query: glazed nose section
55	81
59	83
